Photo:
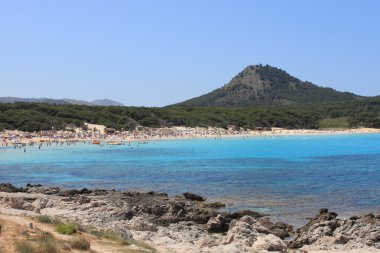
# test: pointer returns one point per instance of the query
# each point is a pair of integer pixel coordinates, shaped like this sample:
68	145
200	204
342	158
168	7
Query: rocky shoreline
189	223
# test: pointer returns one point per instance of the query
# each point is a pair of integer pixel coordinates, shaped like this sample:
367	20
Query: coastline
233	201
188	223
165	134
180	232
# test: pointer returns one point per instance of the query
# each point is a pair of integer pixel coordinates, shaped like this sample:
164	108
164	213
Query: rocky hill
106	102
266	85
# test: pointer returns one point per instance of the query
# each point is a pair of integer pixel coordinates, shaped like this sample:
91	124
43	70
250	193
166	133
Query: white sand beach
98	132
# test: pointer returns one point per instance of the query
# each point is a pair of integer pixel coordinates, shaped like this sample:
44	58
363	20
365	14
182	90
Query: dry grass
43	242
24	247
17	237
80	243
109	234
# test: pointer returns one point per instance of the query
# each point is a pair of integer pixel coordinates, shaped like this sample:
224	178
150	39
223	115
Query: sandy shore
157	134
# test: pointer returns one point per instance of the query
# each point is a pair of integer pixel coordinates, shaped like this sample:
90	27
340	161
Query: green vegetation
66	228
46	243
109	234
44	219
330	123
259	85
35	117
37	241
258	97
120	238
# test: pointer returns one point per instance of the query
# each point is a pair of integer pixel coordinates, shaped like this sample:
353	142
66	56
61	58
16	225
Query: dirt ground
17	228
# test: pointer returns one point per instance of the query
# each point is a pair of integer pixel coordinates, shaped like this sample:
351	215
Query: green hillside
35	117
265	85
259	96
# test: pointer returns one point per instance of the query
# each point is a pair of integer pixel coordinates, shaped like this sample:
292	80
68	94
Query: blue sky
155	53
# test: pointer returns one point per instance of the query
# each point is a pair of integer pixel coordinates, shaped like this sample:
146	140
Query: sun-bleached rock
270	243
326	231
180	225
140	224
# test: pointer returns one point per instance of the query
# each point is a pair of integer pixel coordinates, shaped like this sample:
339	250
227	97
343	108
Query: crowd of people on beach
97	134
111	136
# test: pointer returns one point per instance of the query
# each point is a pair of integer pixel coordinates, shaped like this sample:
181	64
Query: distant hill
6	100
106	102
76	102
266	85
63	101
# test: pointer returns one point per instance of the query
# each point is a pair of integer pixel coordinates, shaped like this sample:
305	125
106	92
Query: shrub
341	122
46	243
44	219
80	243
108	234
66	228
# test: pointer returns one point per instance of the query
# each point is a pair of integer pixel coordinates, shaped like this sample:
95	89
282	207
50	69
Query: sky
155	53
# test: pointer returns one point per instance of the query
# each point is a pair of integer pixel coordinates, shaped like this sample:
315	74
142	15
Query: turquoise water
289	177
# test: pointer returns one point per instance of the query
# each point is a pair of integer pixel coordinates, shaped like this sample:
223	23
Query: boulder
279	229
140	224
16	203
242	233
269	243
323	224
193	196
217	224
33	185
214	205
73	192
82	199
39	204
326	230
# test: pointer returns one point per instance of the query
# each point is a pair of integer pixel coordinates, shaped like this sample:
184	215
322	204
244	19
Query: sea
288	177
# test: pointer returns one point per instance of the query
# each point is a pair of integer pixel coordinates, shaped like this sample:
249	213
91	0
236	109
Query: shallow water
289	177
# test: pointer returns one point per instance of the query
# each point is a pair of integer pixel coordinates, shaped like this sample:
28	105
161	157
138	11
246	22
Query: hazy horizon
147	53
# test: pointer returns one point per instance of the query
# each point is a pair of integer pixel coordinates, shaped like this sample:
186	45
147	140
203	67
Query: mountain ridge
266	85
63	101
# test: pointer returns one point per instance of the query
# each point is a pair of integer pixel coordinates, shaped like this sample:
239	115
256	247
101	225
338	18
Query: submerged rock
193	196
215	205
73	192
242	213
7	187
33	185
